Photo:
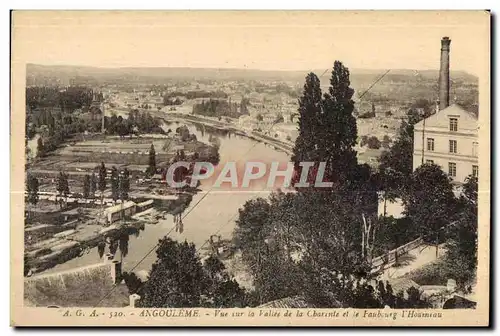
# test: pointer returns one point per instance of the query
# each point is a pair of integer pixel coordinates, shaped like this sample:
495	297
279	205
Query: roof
288	302
453	109
120	207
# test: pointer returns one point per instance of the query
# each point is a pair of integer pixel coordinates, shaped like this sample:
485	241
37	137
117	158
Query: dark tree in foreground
179	279
430	202
461	255
337	130
306	144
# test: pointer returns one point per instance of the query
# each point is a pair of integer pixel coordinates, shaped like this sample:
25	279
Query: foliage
461	255
152	161
86	186
397	161
179	279
124	184
102	178
93	185
62	184
115	183
133	283
136	123
217	108
430	201
32	189
40	149
373	142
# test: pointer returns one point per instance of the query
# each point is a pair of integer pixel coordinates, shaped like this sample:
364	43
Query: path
414	259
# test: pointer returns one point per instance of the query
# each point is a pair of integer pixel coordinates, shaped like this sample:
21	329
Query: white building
449	139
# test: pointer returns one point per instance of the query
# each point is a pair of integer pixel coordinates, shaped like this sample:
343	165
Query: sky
256	40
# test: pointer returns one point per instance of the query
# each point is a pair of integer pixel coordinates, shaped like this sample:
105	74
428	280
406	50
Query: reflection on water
215	214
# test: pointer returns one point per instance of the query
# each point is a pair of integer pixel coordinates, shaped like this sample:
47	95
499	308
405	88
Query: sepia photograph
307	168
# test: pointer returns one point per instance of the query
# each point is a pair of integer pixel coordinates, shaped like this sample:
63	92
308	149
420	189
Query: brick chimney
444	74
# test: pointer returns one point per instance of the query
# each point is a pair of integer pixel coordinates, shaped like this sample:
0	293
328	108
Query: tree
124	184
373	142
430	202
115	184
152	160
399	158
260	117
307	142
32	189
86	186
337	130
461	255
40	151
179	279
251	229
62	185
386	141
93	185
102	180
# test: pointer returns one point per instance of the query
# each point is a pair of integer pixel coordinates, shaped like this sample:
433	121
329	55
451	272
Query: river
212	211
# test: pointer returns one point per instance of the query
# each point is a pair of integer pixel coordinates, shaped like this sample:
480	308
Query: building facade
449	139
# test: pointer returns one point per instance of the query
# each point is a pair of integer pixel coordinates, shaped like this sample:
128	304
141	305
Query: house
449	138
120	211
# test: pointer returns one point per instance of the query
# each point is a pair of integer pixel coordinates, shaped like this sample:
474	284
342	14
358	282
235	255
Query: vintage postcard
250	168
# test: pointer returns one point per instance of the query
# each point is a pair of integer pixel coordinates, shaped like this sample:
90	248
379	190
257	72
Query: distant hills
155	74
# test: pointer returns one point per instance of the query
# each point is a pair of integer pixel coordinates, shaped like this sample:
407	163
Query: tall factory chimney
444	74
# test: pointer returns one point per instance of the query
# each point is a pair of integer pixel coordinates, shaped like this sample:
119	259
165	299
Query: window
430	144
475	171
453	124
429	161
452	169
474	149
453	146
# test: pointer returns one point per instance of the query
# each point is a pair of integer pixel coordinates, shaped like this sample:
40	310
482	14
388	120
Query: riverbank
253	135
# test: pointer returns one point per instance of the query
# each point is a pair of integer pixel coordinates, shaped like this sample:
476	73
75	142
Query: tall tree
307	142
102	180
430	201
337	127
115	184
86	186
152	160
